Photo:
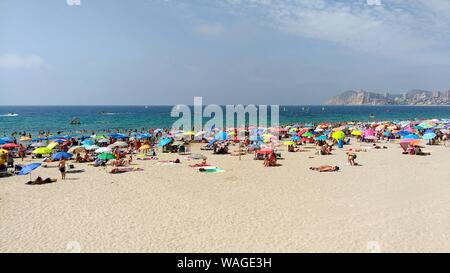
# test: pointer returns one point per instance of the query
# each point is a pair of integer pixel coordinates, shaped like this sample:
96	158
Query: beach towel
211	170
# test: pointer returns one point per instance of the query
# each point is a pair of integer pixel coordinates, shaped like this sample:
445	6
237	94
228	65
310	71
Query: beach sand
392	203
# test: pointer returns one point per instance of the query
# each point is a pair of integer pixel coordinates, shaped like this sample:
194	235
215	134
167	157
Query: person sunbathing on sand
325	168
202	164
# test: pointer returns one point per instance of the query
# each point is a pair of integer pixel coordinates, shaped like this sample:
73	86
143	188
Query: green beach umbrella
308	134
106	156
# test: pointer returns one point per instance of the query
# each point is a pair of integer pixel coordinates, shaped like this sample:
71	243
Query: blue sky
149	52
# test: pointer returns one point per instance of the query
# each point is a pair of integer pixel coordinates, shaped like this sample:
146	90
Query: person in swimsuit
325	168
62	167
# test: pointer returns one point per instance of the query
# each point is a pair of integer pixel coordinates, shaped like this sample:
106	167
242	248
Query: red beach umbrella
10	146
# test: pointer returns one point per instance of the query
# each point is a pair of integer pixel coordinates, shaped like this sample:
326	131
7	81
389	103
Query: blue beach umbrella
429	136
87	142
2	142
321	138
403	133
163	142
39	139
144	136
60	155
29	168
295	138
411	136
7	139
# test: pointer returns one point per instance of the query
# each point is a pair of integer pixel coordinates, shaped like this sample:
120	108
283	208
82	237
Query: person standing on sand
22	152
62	167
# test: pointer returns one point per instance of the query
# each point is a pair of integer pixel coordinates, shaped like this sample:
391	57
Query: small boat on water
12	114
371	115
75	121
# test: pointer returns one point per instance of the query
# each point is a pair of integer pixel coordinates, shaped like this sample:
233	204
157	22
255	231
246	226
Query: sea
31	119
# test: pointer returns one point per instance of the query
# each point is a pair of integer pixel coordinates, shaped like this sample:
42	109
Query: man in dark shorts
62	167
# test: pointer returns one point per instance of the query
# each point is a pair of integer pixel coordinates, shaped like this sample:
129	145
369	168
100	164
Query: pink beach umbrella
369	132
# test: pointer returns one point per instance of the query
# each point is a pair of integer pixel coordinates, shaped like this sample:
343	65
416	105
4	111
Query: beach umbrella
92	147
356	133
103	150
60	155
287	143
29	168
59	140
25	138
295	138
144	147
308	135
87	142
7	139
102	140
163	142
190	133
429	136
369	132
412	136
120	144
42	151
38	144
144	136
338	135
2	142
77	150
3	151
321	138
10	146
52	145
106	156
403	133
100	137
370	137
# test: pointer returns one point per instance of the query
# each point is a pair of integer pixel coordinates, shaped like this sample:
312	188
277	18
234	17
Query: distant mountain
413	97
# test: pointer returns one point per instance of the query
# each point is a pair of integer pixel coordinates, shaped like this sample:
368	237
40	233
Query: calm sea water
56	118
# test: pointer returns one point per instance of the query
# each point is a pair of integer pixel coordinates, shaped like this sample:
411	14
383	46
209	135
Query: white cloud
374	2
210	29
13	61
392	27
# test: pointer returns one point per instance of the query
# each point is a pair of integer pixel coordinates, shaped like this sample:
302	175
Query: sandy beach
392	203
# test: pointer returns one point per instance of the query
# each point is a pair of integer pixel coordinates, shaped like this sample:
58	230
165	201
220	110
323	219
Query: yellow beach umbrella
287	143
3	151
52	145
144	147
42	151
356	133
189	133
338	135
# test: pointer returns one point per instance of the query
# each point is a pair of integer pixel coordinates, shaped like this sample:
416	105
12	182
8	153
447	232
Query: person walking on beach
62	167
